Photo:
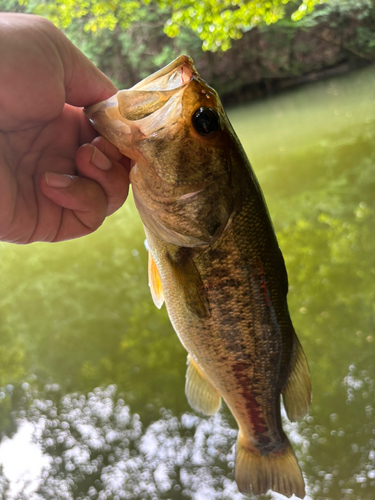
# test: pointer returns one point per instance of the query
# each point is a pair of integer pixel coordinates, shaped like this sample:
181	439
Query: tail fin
279	471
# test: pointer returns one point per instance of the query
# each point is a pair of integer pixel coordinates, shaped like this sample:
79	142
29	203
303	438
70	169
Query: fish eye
205	121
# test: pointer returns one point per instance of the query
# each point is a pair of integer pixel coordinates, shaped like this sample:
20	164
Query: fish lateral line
263	284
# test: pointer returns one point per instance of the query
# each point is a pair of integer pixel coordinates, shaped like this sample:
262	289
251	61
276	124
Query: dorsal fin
200	393
154	282
297	390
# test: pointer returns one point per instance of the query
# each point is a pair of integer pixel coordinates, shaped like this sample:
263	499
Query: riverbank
271	86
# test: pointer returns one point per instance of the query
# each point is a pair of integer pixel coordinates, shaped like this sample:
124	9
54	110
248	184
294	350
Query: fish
215	262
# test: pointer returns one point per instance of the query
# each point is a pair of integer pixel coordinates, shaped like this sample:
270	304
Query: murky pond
92	402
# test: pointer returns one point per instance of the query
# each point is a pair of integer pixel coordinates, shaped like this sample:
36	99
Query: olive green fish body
215	262
243	340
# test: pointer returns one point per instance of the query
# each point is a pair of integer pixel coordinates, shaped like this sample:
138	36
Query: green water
87	358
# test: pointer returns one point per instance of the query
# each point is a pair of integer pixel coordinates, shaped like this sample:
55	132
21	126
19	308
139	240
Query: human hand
54	185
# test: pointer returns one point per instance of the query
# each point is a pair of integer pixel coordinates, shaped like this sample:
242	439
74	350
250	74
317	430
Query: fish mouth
176	74
144	108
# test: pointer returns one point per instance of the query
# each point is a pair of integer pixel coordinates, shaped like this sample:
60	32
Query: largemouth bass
215	262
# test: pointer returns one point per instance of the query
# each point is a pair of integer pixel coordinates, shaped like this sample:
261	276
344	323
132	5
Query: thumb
85	84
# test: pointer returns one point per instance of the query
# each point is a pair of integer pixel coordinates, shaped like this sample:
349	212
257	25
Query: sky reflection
23	462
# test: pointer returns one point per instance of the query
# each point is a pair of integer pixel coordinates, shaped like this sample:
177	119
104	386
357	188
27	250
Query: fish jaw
106	119
176	73
142	110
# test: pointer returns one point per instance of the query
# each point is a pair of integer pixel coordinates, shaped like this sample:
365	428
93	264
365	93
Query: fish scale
251	338
215	262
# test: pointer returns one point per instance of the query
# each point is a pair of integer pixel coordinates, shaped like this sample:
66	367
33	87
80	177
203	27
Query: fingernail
100	160
58	180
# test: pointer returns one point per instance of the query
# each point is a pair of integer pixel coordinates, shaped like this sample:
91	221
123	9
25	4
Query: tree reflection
100	450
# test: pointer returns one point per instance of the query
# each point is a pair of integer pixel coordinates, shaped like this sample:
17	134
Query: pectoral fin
297	391
154	282
190	284
201	395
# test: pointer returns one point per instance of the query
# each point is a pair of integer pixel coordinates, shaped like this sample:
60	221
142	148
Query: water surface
92	370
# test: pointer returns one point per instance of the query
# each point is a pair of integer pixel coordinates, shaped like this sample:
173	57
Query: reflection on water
78	315
99	449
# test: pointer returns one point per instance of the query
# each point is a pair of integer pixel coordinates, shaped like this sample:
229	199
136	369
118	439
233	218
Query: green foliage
216	23
332	12
98	14
127	56
306	7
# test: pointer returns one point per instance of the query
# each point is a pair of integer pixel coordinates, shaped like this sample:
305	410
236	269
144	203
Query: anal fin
154	282
278	471
297	390
200	393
